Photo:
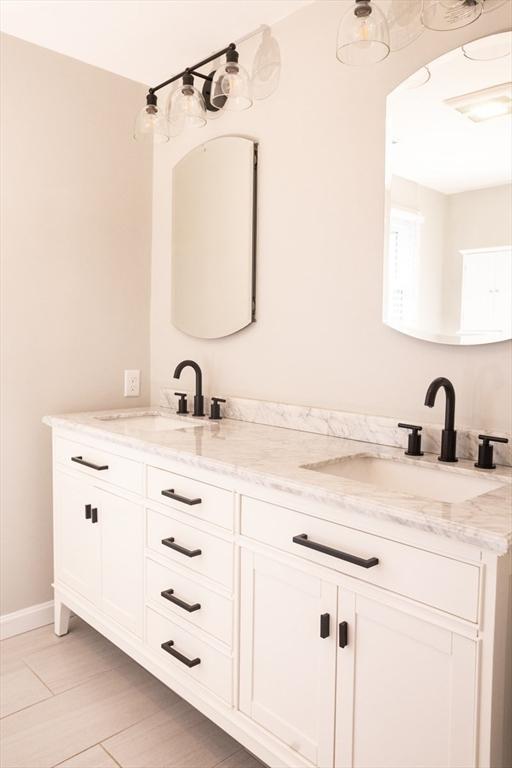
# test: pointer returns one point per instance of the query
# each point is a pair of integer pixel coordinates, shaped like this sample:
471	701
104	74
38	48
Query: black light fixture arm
193	70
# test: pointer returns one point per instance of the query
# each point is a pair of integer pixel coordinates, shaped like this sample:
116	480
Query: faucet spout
198	397
449	434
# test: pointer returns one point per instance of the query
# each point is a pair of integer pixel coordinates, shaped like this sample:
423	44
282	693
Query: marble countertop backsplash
353	426
277	458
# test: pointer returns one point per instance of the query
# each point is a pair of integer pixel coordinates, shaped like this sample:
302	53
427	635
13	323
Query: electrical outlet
132	383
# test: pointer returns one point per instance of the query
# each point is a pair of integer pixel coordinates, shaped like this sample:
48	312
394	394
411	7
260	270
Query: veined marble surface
275	458
354	426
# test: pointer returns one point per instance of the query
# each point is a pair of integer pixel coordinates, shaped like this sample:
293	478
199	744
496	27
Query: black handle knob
414	443
182	402
215	408
88	511
485	451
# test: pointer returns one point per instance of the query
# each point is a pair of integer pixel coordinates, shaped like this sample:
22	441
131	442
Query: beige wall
319	338
76	213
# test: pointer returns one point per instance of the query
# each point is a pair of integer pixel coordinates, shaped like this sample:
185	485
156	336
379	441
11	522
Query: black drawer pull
303	540
88	511
94	515
343	634
188	552
168	647
81	460
171	495
169	595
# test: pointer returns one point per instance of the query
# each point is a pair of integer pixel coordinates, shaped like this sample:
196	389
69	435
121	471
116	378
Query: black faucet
198	397
448	435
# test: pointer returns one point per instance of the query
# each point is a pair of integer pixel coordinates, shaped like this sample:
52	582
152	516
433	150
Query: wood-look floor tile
241	759
95	757
80	656
15	649
54	730
19	688
179	737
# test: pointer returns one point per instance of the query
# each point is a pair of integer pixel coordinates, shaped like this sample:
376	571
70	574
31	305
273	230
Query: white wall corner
28	618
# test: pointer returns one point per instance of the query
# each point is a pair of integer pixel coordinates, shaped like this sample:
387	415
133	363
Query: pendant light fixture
445	15
231	85
186	107
363	36
151	124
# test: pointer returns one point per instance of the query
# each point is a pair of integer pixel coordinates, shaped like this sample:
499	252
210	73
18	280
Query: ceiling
145	40
438	147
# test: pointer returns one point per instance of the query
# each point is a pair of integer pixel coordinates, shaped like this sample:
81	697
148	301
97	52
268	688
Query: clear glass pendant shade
151	125
491	5
186	107
404	23
489	48
445	15
231	86
363	36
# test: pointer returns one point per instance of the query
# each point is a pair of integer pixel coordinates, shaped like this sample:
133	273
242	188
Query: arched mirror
448	232
214	238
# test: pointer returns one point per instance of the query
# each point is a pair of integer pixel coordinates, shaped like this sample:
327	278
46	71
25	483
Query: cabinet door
287	670
77	538
406	690
121	523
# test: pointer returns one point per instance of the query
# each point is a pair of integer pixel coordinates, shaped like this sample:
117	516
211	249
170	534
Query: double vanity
328	602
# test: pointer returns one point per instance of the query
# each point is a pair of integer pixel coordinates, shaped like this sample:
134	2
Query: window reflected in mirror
448	233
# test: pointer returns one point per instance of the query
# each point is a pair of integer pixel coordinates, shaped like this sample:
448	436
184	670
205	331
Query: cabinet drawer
204	501
99	464
194	657
201	552
442	582
189	600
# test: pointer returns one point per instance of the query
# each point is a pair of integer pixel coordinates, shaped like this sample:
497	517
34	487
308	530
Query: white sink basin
147	422
425	480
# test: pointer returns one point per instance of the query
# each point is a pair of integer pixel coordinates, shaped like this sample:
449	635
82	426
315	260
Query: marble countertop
274	457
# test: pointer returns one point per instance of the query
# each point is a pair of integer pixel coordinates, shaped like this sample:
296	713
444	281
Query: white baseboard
28	618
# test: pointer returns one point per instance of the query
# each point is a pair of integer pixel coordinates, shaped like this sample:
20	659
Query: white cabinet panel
406	691
77	538
121	524
287	670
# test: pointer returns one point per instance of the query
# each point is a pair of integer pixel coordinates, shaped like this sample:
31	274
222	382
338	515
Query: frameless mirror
214	238
448	233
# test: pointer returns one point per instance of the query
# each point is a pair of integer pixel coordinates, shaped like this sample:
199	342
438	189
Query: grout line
110	754
52	693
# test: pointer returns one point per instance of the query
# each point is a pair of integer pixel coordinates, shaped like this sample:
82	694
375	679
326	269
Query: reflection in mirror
448	234
214	237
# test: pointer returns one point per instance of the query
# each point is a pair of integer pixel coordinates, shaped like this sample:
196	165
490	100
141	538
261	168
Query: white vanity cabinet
317	637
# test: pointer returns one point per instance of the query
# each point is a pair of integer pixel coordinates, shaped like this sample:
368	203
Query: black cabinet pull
303	540
94	515
325	625
171	495
81	460
343	634
169	595
188	552
88	511
168	647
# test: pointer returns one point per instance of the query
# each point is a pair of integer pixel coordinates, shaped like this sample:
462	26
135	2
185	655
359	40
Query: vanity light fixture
228	88
445	15
366	34
363	36
151	124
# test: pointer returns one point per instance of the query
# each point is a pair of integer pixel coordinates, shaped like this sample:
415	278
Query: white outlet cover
132	383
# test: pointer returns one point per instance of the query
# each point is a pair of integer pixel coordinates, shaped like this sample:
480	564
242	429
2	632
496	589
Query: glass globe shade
151	125
363	36
186	108
445	15
231	87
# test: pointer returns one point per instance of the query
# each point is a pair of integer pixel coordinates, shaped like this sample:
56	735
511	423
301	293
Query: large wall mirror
214	238
448	233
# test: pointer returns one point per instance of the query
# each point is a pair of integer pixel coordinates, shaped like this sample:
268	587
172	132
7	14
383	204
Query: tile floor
80	702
